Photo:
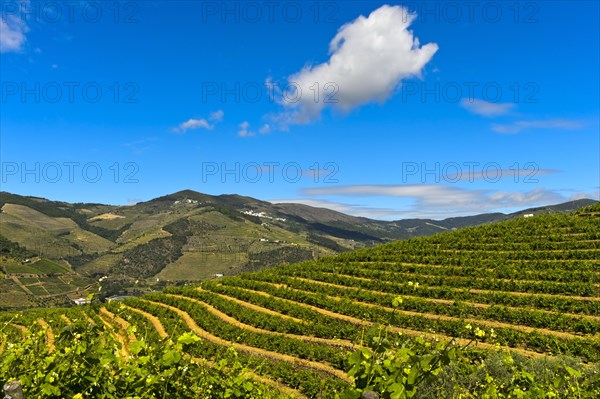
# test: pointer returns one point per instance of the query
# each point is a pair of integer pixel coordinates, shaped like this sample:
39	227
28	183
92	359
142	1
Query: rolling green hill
192	236
27	280
527	290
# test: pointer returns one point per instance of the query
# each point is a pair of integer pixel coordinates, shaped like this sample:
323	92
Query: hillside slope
193	236
529	285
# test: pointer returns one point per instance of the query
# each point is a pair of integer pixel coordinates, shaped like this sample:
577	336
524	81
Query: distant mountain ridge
189	235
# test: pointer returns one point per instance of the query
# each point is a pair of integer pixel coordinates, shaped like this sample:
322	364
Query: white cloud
194	124
517	127
245	130
216	116
445	200
581	195
486	108
140	146
348	209
318	203
495	174
200	123
266	128
431	201
13	28
369	57
538	196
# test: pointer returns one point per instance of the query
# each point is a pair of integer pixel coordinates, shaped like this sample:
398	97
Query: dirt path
259	378
116	331
75	291
234	322
152	319
485	323
252	350
49	334
475	291
512	251
90	320
363	323
20	284
394	274
277	385
578	298
254	307
539	238
451	266
449	302
264	380
405	263
23	329
123	352
123	324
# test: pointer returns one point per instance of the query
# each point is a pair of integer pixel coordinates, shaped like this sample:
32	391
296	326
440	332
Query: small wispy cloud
245	130
13	28
444	200
217	116
317	203
193	124
555	124
140	146
430	201
495	174
349	209
265	129
200	123
486	108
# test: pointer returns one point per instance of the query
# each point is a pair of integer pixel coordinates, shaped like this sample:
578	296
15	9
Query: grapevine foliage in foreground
85	365
535	281
396	368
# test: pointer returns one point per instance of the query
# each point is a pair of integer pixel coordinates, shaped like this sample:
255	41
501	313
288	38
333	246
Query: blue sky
381	109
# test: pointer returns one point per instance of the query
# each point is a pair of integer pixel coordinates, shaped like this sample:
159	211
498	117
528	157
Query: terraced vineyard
529	287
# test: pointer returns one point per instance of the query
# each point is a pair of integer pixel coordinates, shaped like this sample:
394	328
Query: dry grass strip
363	323
234	322
162	333
252	350
255	307
448	301
117	333
485	323
49	334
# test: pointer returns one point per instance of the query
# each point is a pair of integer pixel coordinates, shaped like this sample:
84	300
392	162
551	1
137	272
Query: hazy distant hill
189	235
